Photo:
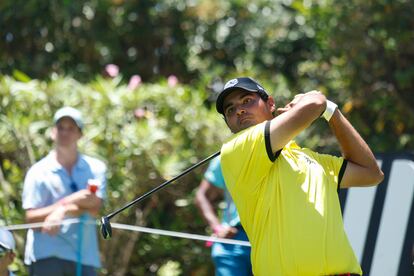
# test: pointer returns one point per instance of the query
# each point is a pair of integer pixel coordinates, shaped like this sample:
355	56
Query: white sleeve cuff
330	109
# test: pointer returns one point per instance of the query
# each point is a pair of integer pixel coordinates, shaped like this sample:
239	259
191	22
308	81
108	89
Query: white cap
70	112
6	239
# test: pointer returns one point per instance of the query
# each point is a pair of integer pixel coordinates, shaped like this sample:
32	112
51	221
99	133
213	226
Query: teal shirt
215	177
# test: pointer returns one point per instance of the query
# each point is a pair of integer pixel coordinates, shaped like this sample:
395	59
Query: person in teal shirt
228	259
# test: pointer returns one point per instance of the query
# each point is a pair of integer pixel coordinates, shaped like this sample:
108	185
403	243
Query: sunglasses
74	186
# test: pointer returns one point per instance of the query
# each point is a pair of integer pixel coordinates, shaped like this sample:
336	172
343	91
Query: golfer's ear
271	104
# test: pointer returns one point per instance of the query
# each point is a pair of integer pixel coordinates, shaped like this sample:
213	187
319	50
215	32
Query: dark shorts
58	267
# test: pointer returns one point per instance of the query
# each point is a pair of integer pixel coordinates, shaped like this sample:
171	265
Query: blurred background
145	74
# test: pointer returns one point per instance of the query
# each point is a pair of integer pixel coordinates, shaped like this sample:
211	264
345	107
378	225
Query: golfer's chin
244	125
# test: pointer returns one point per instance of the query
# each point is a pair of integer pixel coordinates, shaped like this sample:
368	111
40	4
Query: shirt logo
307	163
308	160
231	83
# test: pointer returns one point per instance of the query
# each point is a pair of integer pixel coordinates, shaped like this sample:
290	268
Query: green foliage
146	136
363	62
265	38
357	52
79	37
152	38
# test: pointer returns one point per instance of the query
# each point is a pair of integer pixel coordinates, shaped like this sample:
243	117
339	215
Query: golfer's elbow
379	177
375	177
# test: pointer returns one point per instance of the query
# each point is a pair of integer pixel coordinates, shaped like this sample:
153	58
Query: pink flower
139	113
172	81
134	82
112	70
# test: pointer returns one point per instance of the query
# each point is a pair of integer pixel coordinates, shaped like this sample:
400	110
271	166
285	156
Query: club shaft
162	185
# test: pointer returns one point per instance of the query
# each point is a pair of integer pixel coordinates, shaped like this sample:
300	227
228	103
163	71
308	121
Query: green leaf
20	76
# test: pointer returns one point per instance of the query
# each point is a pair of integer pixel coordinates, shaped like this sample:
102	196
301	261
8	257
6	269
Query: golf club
106	229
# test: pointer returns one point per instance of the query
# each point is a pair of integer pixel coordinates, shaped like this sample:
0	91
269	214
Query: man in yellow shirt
286	195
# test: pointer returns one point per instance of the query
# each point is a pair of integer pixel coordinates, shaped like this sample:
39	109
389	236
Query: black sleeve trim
272	156
341	173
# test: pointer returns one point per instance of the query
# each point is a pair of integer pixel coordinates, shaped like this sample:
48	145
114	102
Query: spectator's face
244	109
66	132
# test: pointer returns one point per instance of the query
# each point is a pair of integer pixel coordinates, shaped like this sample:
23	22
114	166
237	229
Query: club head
106	229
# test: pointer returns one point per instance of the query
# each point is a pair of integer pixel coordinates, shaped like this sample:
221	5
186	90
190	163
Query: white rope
178	234
40	224
132	228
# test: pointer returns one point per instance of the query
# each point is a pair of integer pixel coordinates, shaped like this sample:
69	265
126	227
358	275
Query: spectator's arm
72	205
40	214
205	194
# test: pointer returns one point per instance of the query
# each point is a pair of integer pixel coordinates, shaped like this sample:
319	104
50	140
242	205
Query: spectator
228	259
62	185
7	248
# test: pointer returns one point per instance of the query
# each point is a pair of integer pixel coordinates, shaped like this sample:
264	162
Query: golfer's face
244	109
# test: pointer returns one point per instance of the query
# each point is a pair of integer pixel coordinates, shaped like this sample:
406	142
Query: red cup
93	185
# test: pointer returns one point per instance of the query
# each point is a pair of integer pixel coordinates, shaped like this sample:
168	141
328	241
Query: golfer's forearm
353	146
293	120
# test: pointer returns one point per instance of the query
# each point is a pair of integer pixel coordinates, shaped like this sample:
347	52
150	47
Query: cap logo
231	83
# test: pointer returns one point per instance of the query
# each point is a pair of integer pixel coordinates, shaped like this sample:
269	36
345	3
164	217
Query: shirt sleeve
244	159
100	175
334	166
213	174
35	192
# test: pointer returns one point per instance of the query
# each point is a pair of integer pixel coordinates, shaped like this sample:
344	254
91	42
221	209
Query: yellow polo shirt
289	207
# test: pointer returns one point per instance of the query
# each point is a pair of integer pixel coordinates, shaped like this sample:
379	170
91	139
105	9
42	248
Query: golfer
287	195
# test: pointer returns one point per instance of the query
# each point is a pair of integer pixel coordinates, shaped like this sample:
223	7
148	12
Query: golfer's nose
240	110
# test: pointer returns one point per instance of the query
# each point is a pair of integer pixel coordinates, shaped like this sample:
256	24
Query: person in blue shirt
228	259
7	249
64	184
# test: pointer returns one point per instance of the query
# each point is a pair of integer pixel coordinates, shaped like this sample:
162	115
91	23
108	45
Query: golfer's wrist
329	110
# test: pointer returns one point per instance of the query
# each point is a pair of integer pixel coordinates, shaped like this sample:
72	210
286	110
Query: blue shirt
214	176
47	182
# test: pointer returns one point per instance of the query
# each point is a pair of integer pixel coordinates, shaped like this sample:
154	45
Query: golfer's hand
53	221
297	99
